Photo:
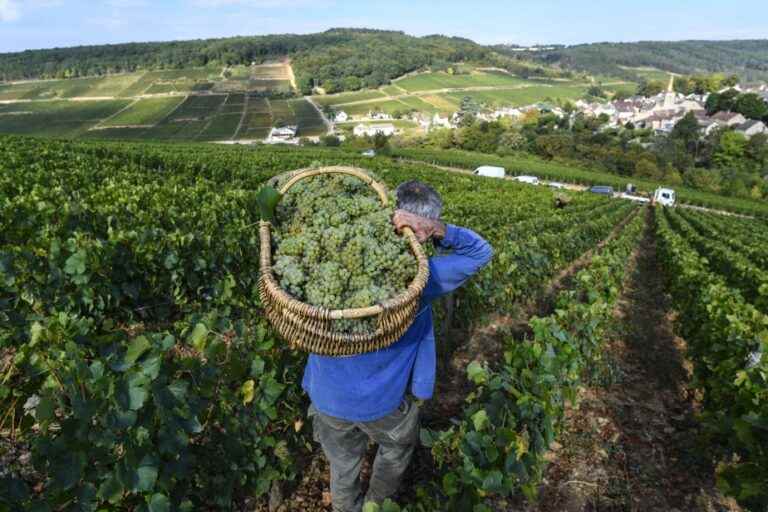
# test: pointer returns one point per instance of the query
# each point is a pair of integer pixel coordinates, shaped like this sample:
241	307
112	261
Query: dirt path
631	445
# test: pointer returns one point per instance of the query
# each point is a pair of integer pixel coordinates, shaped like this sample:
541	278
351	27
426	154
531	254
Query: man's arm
469	253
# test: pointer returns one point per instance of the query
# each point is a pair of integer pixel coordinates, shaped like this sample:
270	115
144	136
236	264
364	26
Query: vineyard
137	372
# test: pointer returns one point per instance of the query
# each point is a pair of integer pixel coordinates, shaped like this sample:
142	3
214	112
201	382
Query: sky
30	24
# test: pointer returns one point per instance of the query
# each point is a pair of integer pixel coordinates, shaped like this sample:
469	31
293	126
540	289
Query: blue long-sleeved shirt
369	386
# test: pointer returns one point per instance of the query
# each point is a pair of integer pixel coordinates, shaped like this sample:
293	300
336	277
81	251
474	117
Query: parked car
602	189
556	184
664	196
531	180
490	171
368	152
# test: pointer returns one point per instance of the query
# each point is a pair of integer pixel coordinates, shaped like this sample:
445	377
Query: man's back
369	386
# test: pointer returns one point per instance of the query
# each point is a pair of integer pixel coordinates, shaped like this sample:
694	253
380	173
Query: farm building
370	130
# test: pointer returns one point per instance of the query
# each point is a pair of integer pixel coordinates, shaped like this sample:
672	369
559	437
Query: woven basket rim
412	292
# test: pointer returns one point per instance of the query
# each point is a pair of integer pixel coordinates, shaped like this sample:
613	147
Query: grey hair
420	199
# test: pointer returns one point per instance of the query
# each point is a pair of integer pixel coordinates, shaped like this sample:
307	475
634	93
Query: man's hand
422	227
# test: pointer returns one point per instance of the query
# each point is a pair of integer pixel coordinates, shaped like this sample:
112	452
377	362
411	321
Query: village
659	113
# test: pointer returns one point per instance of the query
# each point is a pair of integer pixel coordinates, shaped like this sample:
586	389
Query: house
751	127
283	135
707	125
441	122
377	115
506	112
341	117
663	121
729	118
362	130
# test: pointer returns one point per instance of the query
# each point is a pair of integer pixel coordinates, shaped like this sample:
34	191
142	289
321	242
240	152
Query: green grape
335	247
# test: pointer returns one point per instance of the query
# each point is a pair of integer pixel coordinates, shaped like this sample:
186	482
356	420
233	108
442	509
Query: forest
747	58
337	59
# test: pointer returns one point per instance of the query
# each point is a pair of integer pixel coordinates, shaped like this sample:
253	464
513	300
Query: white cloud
9	11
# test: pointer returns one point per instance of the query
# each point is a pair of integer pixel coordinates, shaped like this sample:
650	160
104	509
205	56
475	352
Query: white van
531	180
490	171
664	196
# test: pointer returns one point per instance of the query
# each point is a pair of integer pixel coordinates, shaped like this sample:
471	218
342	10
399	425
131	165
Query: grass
441	104
392	90
441	80
519	97
56	118
282	112
419	104
649	73
347	97
145	112
388	106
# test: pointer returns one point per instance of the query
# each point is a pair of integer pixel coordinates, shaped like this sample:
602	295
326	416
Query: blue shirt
369	386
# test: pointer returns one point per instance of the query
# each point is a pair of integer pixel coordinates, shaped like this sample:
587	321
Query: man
363	397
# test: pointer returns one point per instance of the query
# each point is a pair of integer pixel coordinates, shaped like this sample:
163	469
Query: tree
551	146
686	129
647	168
704	179
730	152
511	141
721	102
596	91
330	140
381	143
650	88
751	106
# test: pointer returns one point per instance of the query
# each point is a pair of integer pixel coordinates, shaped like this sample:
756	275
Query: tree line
337	60
747	58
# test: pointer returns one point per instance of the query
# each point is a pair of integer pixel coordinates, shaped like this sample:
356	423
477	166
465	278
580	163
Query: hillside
338	59
747	58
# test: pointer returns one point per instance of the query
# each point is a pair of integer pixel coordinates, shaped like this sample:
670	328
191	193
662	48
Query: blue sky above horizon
29	24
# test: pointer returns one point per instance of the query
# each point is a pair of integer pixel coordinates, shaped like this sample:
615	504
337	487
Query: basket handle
380	189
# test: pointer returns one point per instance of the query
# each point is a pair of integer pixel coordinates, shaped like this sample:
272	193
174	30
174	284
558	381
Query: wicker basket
311	328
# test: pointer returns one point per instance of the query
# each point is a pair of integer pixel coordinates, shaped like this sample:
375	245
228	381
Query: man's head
419	199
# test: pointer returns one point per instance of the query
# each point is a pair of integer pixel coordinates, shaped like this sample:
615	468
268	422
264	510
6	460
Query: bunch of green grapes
335	247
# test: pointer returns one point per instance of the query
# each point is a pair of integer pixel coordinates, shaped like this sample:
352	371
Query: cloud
9	11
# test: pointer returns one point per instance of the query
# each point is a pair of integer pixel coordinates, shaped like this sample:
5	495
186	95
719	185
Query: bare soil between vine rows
633	443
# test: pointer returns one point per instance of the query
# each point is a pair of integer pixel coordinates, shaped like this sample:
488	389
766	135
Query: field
56	118
440	92
435	81
144	112
132	338
177	118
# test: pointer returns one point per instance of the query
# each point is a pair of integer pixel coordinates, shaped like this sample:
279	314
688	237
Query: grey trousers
345	443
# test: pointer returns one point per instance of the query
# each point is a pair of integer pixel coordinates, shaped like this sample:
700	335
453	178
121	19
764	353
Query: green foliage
516	407
747	58
751	106
727	338
707	181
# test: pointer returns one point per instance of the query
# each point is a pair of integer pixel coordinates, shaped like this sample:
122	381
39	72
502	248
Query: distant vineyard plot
440	80
144	112
56	118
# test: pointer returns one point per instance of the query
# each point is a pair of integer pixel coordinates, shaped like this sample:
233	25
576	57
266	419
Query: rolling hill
746	58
